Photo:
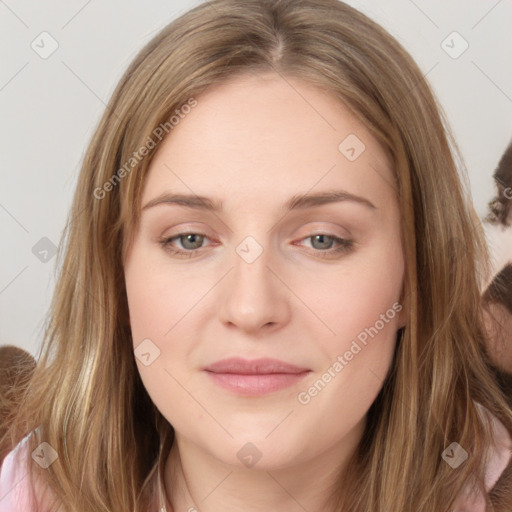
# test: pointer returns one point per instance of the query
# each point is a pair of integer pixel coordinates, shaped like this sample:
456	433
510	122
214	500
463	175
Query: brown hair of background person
16	370
498	294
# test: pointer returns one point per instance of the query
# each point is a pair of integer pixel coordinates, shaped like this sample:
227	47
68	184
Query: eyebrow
297	202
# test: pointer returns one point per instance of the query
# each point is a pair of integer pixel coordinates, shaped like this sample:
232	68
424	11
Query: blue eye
325	242
191	243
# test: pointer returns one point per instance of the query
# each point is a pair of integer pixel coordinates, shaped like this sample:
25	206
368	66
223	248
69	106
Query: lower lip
256	384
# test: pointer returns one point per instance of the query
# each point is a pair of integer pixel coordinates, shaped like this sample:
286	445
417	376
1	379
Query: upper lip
253	367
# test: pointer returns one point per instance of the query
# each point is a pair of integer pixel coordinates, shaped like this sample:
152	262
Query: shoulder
498	458
15	485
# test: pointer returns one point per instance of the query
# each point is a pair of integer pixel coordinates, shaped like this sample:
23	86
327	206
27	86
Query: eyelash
344	245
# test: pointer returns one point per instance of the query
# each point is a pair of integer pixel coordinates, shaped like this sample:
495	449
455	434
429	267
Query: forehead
259	135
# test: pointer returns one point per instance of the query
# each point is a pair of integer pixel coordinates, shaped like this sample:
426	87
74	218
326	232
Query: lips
254	377
262	366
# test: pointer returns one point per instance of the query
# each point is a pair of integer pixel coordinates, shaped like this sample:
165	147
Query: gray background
49	107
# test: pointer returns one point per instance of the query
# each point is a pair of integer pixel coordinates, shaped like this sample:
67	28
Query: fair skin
253	143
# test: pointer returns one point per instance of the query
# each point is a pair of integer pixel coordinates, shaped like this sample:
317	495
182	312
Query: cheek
154	308
165	306
365	319
361	306
364	292
157	297
144	305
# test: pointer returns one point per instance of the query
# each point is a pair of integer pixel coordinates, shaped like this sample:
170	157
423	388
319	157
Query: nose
254	295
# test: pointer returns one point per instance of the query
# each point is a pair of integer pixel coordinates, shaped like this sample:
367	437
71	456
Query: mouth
254	377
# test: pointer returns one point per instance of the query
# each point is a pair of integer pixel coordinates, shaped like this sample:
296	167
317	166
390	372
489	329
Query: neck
197	481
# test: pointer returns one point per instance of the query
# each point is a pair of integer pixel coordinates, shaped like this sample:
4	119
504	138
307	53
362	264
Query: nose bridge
252	262
254	296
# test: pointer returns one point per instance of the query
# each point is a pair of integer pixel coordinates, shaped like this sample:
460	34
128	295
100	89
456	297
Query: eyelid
187	228
325	228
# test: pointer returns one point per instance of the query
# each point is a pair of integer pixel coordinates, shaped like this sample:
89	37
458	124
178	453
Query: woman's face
270	229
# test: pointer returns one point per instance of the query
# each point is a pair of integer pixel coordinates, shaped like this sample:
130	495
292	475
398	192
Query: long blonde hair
86	395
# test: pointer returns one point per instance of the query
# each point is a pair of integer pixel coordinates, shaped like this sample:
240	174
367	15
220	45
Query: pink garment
15	493
497	461
14	484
